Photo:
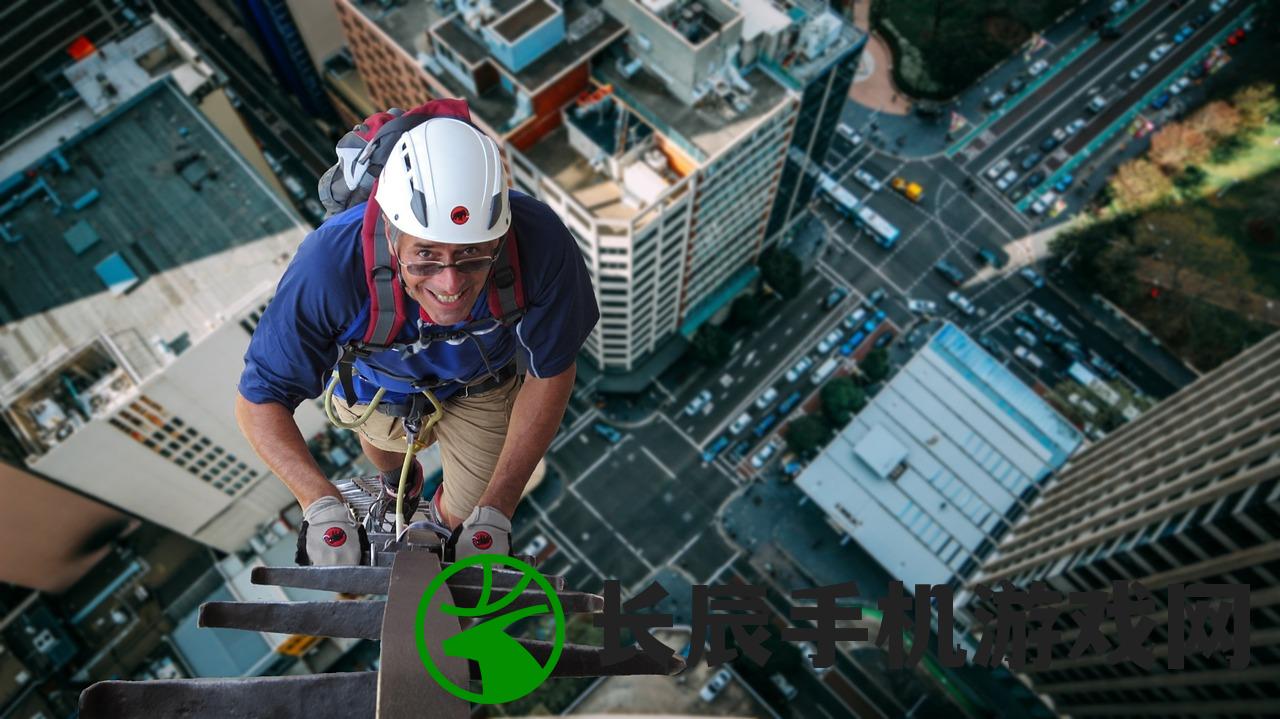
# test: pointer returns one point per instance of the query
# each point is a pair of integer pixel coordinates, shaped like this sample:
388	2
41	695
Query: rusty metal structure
401	688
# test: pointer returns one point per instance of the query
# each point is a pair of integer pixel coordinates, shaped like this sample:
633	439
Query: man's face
448	295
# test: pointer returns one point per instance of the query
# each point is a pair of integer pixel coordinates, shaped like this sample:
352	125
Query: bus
884	233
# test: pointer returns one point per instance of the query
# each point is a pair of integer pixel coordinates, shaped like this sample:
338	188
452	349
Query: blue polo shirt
323	300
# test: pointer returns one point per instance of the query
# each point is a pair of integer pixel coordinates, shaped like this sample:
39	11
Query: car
1034	179
1118	6
1018	193
791	468
949	272
962	303
830	341
1180	85
1183	33
877	296
741	422
1046	318
870	325
1107	369
763	426
922	307
718	682
1075	126
1161	101
1159	51
697	403
1032	277
799	368
788	689
766	399
994	172
740	450
1038	67
1007	180
824	370
1217	5
1028	356
848	348
610	435
1070	350
990	343
1027	321
1027	336
714	449
1048	144
1201	18
1031	160
864	177
1015	86
833	297
1096	104
1197	71
1110	32
990	257
789	403
766	452
535	546
1043	203
1063	183
1236	37
855	318
1139	71
884	339
994	99
850	134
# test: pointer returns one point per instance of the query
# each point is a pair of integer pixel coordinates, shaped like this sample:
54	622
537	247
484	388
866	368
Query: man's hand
485	531
329	535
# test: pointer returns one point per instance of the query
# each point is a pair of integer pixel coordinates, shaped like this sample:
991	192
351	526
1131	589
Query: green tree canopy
781	271
841	398
808	434
745	311
876	365
712	345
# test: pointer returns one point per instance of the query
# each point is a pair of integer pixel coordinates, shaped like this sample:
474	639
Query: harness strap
386	300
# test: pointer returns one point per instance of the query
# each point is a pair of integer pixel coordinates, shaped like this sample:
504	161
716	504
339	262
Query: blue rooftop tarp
116	274
81	237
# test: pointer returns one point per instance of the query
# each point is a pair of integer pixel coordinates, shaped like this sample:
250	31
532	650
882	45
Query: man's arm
535	418
274	435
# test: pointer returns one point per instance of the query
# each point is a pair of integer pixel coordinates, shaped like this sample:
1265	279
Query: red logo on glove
481	540
459	215
335	537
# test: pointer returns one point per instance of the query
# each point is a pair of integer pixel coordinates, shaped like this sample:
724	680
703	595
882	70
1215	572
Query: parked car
766	399
994	99
1027	321
1014	86
1027	336
1161	101
1096	103
764	455
855	318
610	435
1107	369
799	368
741	422
1217	5
788	689
882	340
1201	18
1180	85
1046	318
990	257
949	272
1031	160
1063	183
789	403
1028	356
1032	277
535	546
1183	33
867	180
1139	71
1236	37
1075	126
962	303
829	342
1007	180
1110	32
848	348
1038	67
764	425
877	296
740	450
833	298
714	449
994	172
1159	51
1034	179
697	403
1043	203
718	682
1018	193
923	307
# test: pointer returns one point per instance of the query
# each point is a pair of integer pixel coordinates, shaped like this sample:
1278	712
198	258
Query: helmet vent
495	210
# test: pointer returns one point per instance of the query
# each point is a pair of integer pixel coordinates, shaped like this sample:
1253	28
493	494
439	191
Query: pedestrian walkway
873	85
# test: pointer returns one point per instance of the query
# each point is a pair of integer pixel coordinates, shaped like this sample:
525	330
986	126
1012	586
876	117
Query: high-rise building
1188	493
273	27
940	463
140	248
657	129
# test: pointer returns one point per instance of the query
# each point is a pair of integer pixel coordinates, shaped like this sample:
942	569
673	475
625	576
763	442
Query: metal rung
375	580
315	696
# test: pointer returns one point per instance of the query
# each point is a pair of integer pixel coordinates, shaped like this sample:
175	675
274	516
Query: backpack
362	152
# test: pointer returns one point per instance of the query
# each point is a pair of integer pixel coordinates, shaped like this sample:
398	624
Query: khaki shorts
471	434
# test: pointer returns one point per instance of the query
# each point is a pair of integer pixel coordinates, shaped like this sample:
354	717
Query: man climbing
477	283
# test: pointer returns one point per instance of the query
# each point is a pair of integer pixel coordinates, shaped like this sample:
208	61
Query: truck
910	190
825	370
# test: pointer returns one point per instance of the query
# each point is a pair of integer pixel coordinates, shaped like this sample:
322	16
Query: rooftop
951	445
145	227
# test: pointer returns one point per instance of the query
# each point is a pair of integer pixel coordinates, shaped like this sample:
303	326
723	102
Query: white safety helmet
444	182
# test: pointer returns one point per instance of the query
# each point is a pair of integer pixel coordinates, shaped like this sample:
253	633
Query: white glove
484	531
329	535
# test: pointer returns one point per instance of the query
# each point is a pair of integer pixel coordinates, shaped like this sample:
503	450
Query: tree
1229	148
781	271
1191	178
1255	103
808	434
1216	121
1176	146
1184	240
1139	183
876	365
745	311
712	345
841	399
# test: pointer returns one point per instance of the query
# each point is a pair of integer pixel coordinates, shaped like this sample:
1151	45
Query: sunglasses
471	265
